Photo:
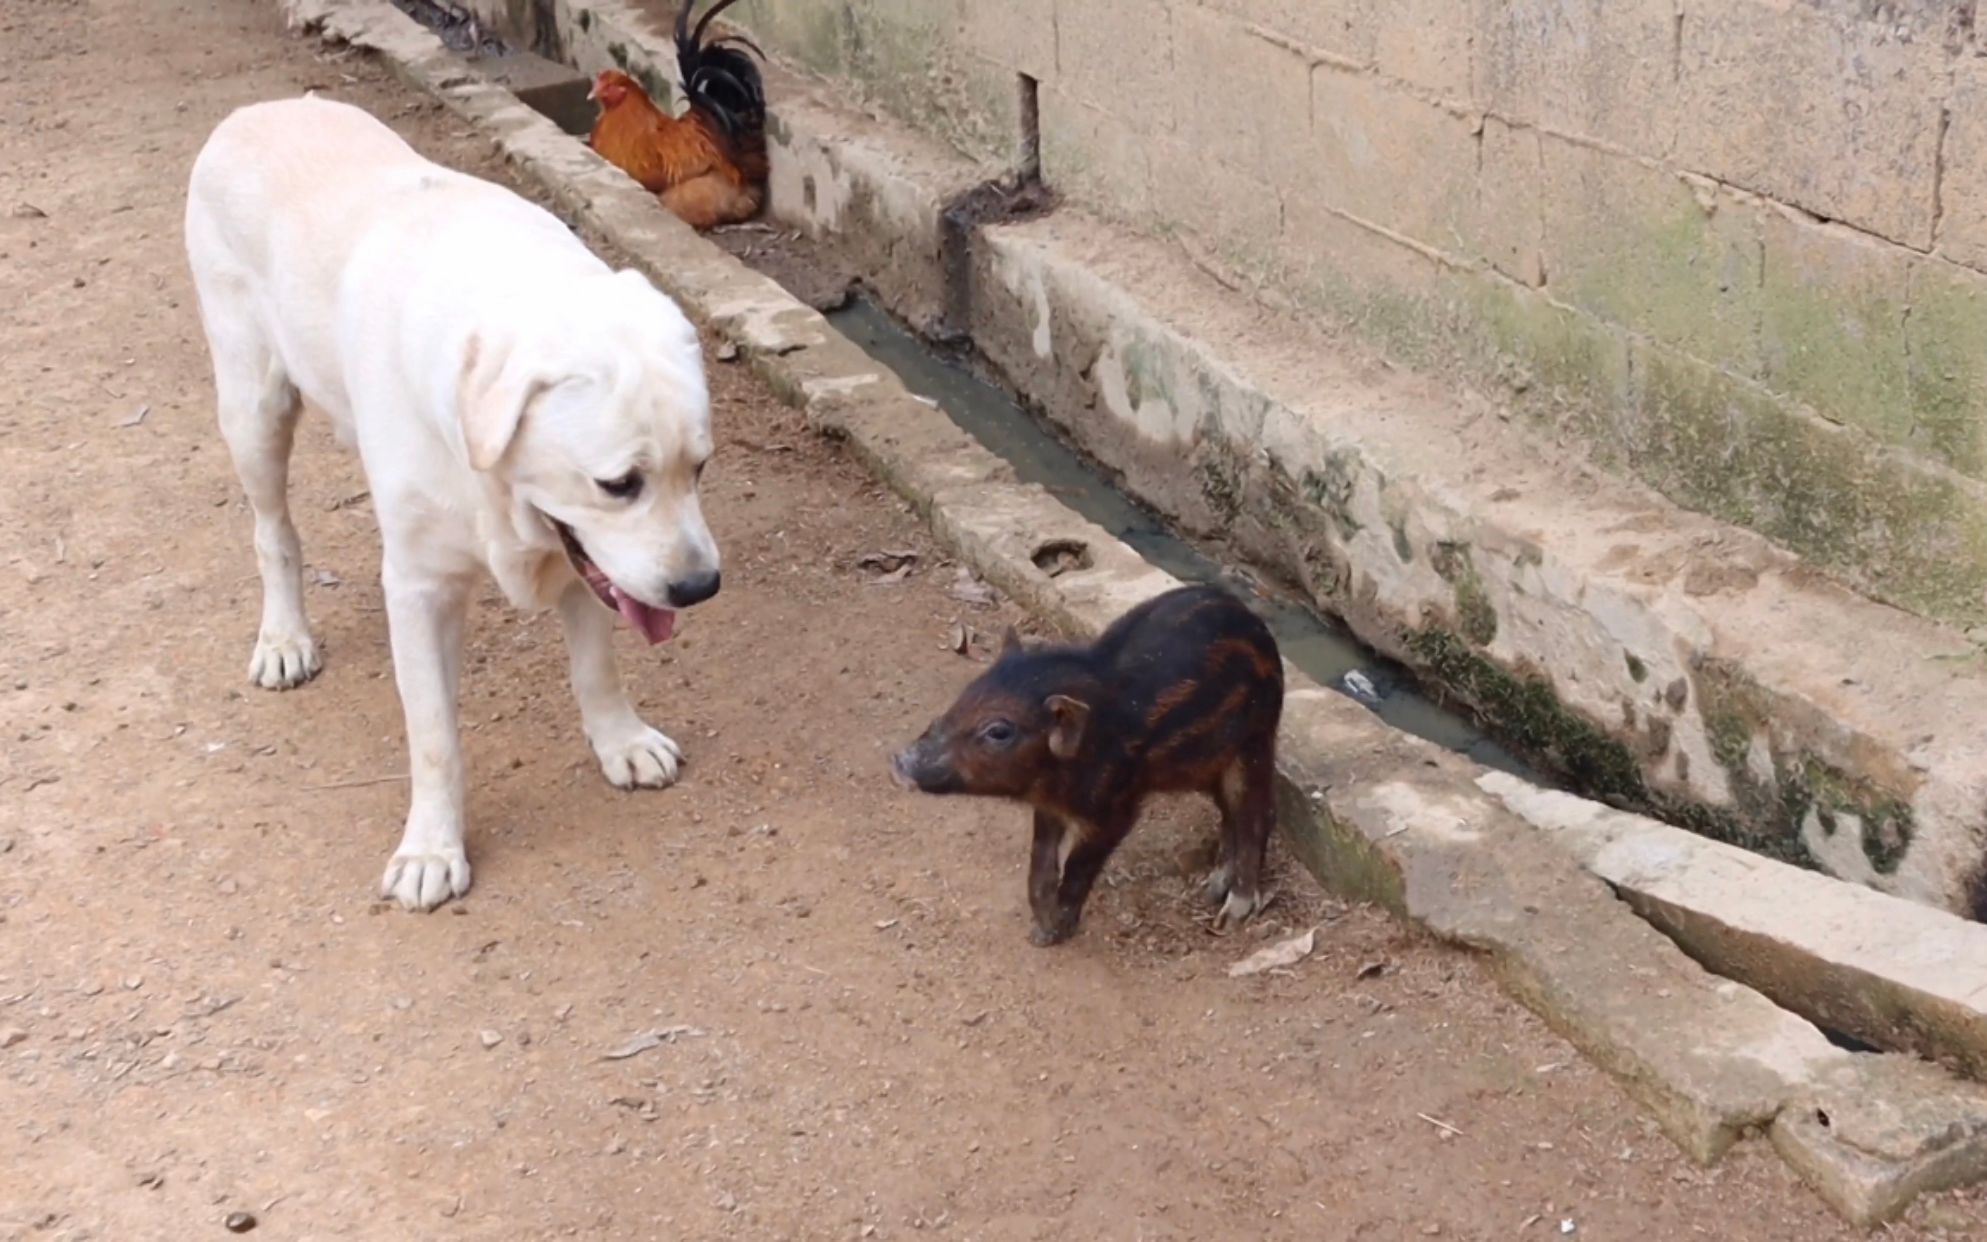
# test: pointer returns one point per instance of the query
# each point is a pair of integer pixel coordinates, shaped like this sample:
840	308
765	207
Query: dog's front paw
422	880
282	661
639	758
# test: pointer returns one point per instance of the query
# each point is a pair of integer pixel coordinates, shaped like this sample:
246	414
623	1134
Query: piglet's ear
1010	640
1068	717
492	394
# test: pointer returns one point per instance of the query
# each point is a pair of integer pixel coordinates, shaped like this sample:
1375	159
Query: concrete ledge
1892	973
1376	813
1666	661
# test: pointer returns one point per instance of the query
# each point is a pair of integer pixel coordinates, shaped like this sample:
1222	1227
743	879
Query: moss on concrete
1912	536
1947	334
1475	618
1330	487
1669	260
1775	804
1523	709
1833	316
1342	859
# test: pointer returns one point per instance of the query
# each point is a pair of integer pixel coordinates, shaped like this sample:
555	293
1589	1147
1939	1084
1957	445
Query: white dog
519	408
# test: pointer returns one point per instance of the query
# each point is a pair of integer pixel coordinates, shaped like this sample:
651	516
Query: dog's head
596	416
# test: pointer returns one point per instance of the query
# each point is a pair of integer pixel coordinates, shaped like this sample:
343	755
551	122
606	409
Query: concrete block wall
1736	248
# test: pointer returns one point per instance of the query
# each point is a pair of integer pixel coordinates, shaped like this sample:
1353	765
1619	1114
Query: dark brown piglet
1182	694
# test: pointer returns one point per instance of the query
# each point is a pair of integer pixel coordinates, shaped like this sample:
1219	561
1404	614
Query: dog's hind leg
258	409
631	753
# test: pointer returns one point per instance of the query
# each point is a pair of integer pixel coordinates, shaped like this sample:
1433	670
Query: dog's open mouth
652	623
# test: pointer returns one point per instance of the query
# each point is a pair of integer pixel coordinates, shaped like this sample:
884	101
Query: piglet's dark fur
1181	694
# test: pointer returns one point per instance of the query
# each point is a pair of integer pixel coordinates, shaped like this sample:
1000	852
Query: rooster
708	165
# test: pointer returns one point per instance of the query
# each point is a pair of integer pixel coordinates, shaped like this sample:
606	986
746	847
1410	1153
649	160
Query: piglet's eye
627	487
999	733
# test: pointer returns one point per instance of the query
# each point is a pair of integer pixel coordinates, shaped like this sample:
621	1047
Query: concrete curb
1377	814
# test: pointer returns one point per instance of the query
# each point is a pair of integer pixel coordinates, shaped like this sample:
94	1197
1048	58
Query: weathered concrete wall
1736	248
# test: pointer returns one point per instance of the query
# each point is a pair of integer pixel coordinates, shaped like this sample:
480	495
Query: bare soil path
204	1011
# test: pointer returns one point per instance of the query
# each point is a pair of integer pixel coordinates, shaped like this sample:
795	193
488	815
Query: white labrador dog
519	407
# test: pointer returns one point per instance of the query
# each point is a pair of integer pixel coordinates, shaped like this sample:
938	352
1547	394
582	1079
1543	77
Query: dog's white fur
490	371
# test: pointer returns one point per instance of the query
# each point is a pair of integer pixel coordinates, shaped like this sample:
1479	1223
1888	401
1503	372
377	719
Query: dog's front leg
630	752
425	618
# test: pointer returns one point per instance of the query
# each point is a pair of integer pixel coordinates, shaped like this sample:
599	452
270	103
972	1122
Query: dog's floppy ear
491	397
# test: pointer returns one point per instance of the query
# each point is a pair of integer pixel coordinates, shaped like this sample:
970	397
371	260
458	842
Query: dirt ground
204	1010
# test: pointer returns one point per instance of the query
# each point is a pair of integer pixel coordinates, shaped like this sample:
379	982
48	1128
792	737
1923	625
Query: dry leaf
888	560
649	1039
968	589
135	419
960	640
1282	954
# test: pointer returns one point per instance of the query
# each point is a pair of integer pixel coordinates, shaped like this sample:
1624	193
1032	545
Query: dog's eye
999	733
627	487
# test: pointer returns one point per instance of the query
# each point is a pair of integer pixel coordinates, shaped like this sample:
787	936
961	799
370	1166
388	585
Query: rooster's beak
593	92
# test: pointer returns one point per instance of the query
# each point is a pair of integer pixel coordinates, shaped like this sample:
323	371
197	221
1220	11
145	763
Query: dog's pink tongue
654	624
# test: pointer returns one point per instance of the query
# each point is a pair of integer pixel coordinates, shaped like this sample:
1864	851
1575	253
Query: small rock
403	1003
727	1202
240	1222
616	1145
229	888
727	352
169	1062
11	1035
490	1038
133	983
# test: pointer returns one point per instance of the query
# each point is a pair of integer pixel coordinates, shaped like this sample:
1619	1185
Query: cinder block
1337	28
1599	69
1389	158
1963	197
1832	115
1890	524
1666	257
1119	57
1390	293
1241	216
1832	328
1510	215
1245	101
1095	158
1947	334
1020	34
1425	43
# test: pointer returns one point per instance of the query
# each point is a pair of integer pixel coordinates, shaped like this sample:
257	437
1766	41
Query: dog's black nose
693	590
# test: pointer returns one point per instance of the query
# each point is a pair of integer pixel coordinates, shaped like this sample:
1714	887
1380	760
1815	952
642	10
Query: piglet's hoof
1043	937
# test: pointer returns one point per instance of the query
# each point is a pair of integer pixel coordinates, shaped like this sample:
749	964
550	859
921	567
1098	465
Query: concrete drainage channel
1564	897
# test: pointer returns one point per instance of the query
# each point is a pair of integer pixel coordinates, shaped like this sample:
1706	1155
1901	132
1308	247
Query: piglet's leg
1092	848
1222	878
1248	804
1044	875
